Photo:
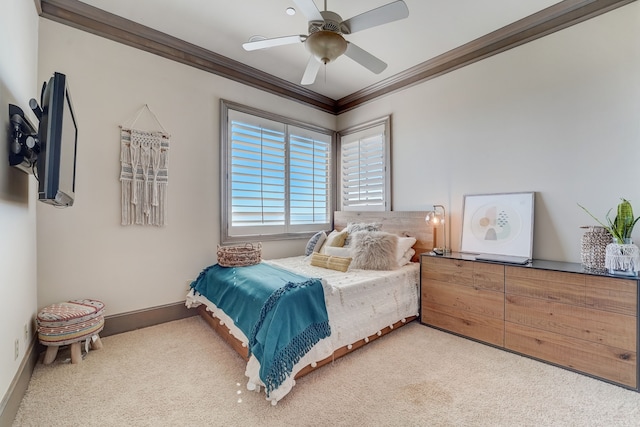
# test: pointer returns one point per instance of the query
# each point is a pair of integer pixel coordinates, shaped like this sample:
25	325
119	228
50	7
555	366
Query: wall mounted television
51	153
58	135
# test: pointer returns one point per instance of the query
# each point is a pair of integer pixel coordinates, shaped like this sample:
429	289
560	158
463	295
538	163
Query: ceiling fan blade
381	15
278	41
310	73
365	59
309	9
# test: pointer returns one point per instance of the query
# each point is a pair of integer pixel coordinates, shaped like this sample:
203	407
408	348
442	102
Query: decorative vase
594	246
623	258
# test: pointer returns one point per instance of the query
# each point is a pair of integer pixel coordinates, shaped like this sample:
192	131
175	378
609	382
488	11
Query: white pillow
404	244
406	258
338	251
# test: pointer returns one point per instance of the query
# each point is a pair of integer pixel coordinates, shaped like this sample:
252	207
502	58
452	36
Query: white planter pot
622	259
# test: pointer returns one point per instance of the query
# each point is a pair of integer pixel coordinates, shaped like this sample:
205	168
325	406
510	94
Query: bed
349	306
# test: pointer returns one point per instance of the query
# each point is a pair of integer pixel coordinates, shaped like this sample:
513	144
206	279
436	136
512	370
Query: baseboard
115	324
11	402
130	321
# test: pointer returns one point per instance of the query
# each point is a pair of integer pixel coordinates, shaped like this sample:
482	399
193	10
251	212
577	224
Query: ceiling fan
326	40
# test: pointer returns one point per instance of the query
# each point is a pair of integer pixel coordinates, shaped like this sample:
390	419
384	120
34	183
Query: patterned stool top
63	335
70	312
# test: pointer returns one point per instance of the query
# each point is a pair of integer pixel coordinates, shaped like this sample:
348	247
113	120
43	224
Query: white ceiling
432	28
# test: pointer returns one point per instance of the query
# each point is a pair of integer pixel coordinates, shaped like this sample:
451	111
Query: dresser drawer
468	273
587	324
568	288
464	297
606	362
610	294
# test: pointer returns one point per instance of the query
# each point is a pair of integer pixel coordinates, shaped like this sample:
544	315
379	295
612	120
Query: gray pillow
315	243
374	250
353	227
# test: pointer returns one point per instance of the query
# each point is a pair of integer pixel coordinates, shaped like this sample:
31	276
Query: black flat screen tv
58	135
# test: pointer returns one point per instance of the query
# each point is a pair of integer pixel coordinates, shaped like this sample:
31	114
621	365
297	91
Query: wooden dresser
552	311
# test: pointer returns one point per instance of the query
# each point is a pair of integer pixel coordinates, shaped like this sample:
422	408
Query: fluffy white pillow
375	250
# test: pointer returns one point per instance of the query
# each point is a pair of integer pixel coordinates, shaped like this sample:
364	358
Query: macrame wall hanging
144	173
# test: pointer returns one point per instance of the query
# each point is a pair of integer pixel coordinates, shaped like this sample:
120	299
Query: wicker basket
593	247
239	255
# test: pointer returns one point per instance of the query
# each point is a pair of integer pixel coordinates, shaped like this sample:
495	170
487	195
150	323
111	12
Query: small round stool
71	323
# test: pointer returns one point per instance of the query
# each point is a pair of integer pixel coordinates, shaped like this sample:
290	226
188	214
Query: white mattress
360	303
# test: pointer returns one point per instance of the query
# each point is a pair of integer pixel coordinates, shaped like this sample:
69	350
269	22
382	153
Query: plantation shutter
257	175
277	178
364	162
309	180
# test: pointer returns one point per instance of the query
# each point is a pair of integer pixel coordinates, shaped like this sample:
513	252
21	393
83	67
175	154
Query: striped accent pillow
331	262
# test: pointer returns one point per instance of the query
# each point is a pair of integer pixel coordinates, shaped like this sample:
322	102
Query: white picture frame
500	224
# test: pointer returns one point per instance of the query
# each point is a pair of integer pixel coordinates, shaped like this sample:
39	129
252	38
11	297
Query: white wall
543	117
559	116
18	287
83	251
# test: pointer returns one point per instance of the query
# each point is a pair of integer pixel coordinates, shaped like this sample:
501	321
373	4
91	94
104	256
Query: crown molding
547	21
99	22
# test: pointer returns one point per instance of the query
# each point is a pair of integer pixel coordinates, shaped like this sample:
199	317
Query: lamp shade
326	46
434	217
437	218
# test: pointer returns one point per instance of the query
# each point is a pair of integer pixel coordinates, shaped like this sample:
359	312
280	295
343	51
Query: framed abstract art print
500	224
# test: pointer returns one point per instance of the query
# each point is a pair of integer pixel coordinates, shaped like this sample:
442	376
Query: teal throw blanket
282	313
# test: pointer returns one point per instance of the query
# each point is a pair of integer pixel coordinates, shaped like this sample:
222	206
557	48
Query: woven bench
70	323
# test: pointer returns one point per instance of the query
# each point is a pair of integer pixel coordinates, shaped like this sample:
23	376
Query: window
276	175
365	167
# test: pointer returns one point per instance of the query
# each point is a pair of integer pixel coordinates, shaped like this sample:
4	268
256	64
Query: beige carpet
181	373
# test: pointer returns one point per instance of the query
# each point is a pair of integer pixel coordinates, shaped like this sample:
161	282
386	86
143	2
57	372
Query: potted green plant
622	256
622	225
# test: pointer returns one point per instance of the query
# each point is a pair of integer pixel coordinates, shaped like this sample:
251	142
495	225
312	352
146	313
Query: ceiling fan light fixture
256	38
326	46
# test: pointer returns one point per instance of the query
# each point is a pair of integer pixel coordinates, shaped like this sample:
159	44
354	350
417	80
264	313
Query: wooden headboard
402	223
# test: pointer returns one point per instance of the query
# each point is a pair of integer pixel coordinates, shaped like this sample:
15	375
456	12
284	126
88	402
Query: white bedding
360	303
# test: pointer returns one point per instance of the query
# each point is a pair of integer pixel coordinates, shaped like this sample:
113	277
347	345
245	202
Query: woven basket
239	255
593	247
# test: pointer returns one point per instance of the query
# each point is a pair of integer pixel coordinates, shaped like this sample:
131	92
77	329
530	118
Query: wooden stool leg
50	356
96	344
76	352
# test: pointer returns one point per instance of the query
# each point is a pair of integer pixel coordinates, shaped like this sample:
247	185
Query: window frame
385	122
295	231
